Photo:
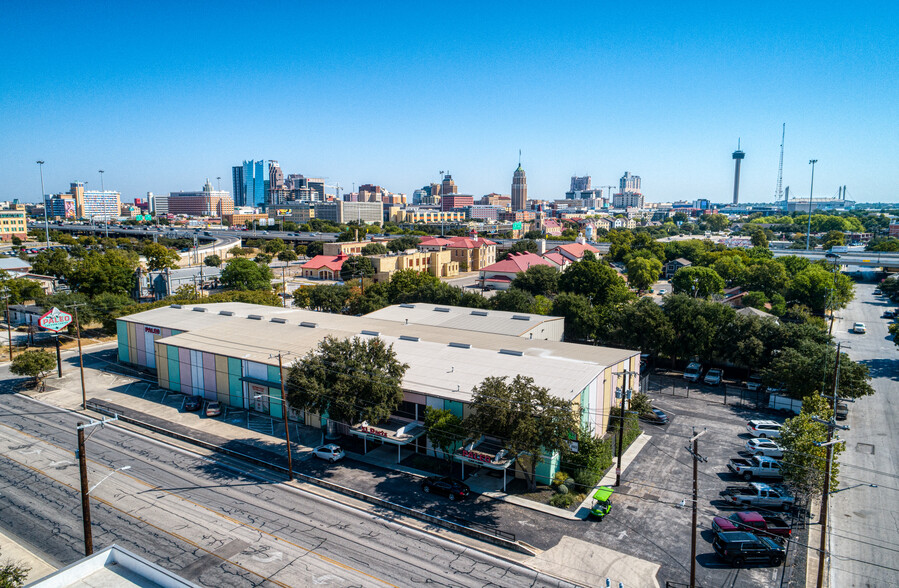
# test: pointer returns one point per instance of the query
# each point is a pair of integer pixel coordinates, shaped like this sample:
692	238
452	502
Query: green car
602	502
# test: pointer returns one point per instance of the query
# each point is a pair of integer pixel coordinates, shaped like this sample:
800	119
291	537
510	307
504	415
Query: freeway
864	521
868	259
207	521
170	231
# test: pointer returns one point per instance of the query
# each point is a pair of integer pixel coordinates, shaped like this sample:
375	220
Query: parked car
214	409
193	403
859	328
662	291
753	522
764	447
713	377
330	452
759	495
889	314
842	411
693	371
655	416
878	291
764	429
445	486
756	467
754	382
738	548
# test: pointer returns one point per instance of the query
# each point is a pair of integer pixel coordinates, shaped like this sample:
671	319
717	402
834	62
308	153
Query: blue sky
164	95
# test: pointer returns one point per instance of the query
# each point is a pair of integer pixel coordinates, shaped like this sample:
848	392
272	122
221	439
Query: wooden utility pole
8	323
621	432
80	358
286	419
694	451
85	499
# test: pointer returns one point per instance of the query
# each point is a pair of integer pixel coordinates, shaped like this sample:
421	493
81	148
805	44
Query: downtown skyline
392	96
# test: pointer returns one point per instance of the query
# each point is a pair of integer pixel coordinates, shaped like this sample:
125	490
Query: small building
499	275
324	267
14	265
575	251
437	263
159	284
24	314
472	254
12	223
675	264
344	247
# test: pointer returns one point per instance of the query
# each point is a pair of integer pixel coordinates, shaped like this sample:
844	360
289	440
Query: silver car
764	447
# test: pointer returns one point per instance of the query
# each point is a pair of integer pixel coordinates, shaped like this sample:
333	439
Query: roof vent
511	352
460	345
226	312
199	309
441	309
174	306
408	338
255	317
279	319
520	317
479	312
308	325
407	306
371	333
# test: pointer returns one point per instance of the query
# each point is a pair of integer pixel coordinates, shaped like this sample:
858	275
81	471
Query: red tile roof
556	257
332	262
576	249
517	263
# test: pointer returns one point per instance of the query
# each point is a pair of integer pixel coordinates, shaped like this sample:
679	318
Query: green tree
238	251
34	363
287	255
834	239
332	298
697	281
804	464
244	274
699	327
13	575
581	319
263	258
758	238
374	249
513	300
51	263
109	271
405	283
755	300
522	246
445	431
534	423
537	280
809	367
894	331
349	380
642	273
213	261
314	248
274	246
20	289
716	222
403	243
768	276
594	279
731	269
356	267
640	403
820	289
644	326
160	257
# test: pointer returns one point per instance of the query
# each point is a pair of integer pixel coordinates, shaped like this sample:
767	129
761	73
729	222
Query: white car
662	292
764	429
329	452
693	372
764	447
859	328
713	377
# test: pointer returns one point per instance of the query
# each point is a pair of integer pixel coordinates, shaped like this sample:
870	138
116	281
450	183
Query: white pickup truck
759	495
756	467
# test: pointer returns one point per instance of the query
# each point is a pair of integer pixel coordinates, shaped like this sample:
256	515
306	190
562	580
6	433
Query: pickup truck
753	522
758	494
756	466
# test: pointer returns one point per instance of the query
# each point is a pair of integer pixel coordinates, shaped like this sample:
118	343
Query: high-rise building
207	202
448	186
580	183
81	203
738	156
629	183
519	189
238	186
248	183
454	201
275	190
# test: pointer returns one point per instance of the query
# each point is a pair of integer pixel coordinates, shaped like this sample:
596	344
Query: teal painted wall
585	409
174	368
547	468
235	386
453	407
275	407
122	334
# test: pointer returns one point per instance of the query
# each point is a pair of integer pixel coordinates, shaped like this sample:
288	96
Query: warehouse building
229	352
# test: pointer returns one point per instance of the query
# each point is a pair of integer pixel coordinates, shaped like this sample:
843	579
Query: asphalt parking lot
652	513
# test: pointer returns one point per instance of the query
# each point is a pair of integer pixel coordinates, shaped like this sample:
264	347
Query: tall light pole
40	165
102	189
808	233
219	178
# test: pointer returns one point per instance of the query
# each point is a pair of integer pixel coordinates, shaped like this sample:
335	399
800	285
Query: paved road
864	520
206	522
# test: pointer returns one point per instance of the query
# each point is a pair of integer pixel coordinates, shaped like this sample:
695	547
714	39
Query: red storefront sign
373	431
477	456
153	330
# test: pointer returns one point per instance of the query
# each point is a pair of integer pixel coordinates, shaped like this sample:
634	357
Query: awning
260	382
392	431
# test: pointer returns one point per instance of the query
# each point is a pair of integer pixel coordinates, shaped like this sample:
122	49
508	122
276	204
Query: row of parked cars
755	536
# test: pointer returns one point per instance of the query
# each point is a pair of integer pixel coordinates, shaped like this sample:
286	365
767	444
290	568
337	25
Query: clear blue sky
164	95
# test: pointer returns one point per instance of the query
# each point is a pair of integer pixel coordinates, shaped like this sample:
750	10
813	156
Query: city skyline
159	108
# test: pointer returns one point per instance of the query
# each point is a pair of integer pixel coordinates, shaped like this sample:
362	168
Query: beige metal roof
499	322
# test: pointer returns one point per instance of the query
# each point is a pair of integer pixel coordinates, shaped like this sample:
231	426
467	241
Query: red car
752	522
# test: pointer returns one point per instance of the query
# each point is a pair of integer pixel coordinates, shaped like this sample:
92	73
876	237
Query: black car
193	403
446	486
738	547
655	416
889	314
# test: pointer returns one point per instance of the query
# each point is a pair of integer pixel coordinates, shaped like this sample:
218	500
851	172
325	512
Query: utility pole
85	489
284	291
80	356
286	417
624	394
8	322
831	425
694	451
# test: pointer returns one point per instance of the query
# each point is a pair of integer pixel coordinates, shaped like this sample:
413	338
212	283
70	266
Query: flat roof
498	322
113	566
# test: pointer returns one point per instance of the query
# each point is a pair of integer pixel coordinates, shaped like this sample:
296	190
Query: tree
731	269
758	238
531	421
160	257
696	281
109	271
716	222
35	363
51	263
894	331
699	327
314	248
374	249
768	276
805	462
581	319
263	258
594	279
13	575
213	261
538	279
642	272
238	251
644	326
349	380
244	274
445	430
287	255
755	300
274	246
820	289
356	267
513	300
403	243
20	289
521	246
640	403
405	283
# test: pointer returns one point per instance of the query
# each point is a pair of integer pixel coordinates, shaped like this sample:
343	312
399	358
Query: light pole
808	233
102	189
40	165
833	289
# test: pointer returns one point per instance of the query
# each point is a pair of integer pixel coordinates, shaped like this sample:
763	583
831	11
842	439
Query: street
864	521
207	522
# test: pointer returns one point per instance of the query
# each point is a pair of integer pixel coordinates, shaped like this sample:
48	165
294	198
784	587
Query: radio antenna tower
778	194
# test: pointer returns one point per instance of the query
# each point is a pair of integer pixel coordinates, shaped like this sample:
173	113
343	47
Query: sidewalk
14	552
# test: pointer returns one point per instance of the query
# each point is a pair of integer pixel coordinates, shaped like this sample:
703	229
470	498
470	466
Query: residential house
574	251
675	264
499	276
324	267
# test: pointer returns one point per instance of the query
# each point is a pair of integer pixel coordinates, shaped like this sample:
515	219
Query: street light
46	223
102	189
808	233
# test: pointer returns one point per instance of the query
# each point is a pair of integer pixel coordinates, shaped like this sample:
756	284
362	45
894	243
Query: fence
728	394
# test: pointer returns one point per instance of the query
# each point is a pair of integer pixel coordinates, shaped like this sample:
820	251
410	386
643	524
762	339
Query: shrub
586	479
569	482
561	500
560	478
562	489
